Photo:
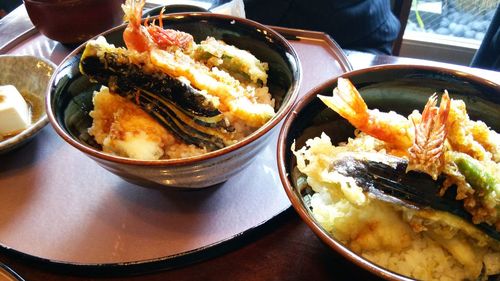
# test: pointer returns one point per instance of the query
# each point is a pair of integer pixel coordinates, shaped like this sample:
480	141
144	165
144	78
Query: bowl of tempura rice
438	124
183	100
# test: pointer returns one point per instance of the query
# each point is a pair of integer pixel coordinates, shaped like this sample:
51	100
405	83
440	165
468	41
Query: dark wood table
282	249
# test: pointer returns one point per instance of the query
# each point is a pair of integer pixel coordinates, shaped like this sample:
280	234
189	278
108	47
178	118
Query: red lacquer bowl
74	21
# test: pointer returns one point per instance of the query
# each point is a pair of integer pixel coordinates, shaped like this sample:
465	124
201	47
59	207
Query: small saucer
30	75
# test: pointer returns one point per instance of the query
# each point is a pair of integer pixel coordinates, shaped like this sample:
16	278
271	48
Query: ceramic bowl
74	21
401	88
30	75
69	103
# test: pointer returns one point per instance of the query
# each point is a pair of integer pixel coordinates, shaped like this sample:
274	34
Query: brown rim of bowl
280	114
289	188
53	3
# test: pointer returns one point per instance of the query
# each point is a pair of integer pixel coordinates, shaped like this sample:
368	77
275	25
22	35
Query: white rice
396	238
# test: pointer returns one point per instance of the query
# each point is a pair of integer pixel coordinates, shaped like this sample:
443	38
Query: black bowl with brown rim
69	102
400	88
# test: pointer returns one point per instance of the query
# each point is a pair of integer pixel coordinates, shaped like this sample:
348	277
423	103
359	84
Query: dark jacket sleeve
488	54
367	25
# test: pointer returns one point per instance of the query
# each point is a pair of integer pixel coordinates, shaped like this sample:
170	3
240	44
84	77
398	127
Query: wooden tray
57	205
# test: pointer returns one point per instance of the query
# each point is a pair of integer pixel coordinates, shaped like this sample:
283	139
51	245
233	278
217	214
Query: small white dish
30	75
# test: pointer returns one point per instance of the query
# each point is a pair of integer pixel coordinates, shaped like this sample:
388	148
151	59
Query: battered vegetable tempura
441	140
124	129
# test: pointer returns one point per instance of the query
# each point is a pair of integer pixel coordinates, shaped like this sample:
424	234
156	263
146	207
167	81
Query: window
456	27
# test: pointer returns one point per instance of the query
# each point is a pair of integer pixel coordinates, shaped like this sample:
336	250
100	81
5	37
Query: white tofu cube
15	115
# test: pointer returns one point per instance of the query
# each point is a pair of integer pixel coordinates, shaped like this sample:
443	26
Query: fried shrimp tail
136	36
144	38
386	126
165	38
426	154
